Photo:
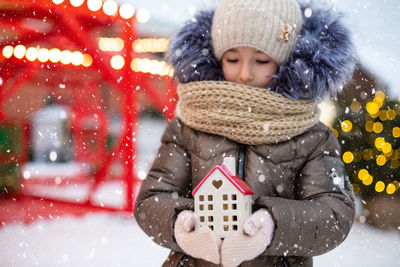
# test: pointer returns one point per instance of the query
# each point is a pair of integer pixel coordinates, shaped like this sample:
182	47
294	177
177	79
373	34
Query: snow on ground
106	240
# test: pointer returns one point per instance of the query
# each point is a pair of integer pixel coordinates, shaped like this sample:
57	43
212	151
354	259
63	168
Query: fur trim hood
322	62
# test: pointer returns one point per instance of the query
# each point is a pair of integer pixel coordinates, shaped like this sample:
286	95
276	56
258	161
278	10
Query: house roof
235	180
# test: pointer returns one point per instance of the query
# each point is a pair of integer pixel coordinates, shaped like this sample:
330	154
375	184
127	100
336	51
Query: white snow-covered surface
106	240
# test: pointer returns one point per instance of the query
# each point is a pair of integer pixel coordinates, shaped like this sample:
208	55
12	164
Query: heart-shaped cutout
217	183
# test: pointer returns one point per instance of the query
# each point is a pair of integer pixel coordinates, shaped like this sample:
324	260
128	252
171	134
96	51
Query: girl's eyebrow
232	50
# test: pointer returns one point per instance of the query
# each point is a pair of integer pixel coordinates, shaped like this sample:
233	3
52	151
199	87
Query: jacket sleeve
166	190
321	216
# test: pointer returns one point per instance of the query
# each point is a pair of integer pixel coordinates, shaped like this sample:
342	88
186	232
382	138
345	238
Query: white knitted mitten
258	232
202	243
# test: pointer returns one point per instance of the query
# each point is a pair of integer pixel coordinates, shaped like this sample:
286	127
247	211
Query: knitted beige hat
271	26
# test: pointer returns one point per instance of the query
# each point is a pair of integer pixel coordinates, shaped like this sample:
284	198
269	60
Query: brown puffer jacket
301	182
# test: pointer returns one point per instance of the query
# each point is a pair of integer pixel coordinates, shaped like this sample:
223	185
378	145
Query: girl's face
246	65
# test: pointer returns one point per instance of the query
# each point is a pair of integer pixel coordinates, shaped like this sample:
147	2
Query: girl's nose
245	74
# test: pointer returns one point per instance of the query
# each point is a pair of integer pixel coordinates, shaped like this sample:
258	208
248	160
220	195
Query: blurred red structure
47	24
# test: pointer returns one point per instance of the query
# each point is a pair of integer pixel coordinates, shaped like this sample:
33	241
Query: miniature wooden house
222	199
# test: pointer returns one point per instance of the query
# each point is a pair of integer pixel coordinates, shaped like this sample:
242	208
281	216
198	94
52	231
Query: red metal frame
76	27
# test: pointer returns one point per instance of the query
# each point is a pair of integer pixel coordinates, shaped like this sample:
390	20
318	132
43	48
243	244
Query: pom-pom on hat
271	26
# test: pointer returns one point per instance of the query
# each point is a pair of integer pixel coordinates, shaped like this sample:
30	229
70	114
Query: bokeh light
94	5
379	186
348	157
346	126
110	7
126	11
143	15
8	51
117	62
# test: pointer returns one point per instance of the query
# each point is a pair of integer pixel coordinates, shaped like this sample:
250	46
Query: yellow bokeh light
8	51
76	3
19	51
111	44
154	67
380	94
390	189
391	114
368	180
369	126
126	11
363	174
94	5
396	184
379	142
396	132
386	148
117	62
379	186
65	57
150	45
355	106
87	60
54	55
396	154
377	127
394	163
110	7
346	126
348	157
383	115
372	108
357	156
43	55
368	154
31	54
379	101
381	160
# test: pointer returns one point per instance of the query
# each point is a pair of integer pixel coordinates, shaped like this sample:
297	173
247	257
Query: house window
210	207
201	218
201	207
235	227
234	218
210	218
226	227
225	206
225	197
211	227
234	206
226	218
233	197
210	198
201	198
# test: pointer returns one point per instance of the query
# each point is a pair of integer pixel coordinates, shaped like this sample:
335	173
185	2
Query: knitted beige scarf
245	114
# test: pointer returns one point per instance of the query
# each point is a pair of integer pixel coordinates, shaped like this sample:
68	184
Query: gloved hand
202	243
258	231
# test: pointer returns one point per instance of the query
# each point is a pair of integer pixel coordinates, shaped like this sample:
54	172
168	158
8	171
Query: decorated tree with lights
369	132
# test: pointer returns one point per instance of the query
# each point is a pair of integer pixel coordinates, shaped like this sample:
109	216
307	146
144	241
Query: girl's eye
232	60
262	61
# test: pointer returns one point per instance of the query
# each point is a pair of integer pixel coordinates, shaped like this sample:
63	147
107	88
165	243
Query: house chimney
230	163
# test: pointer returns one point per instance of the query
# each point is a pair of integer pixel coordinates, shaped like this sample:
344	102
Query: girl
250	76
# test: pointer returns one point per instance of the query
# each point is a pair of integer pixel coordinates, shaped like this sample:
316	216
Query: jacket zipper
183	260
240	171
241	161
